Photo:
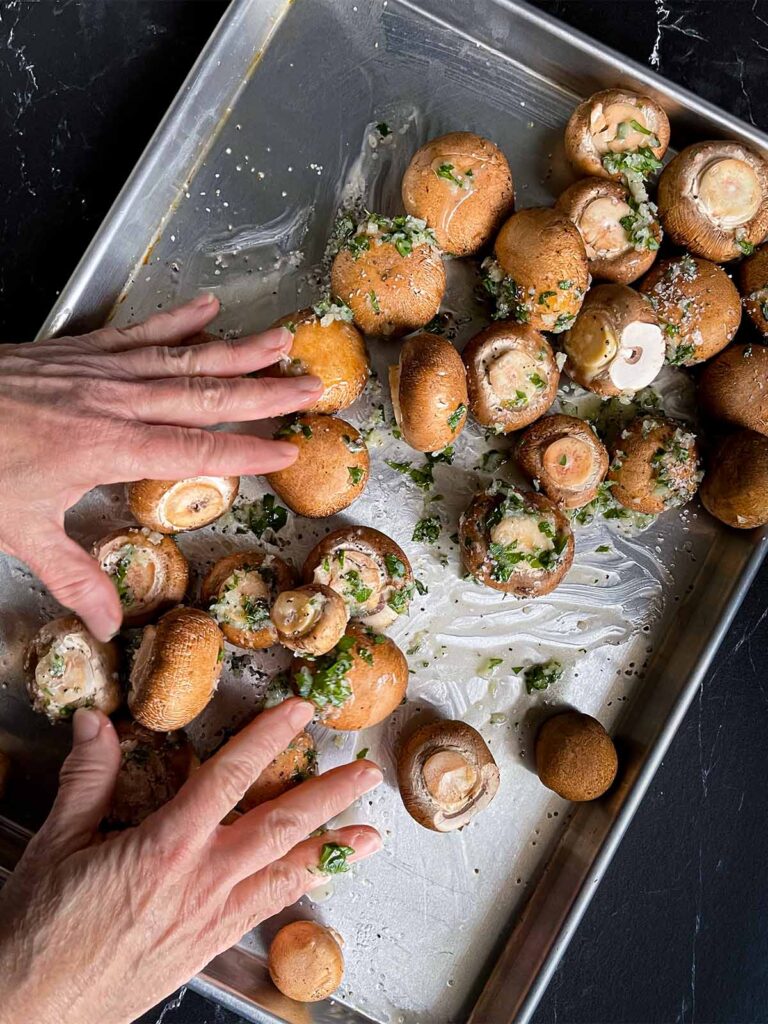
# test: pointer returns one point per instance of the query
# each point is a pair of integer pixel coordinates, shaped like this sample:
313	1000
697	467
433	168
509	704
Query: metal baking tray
237	192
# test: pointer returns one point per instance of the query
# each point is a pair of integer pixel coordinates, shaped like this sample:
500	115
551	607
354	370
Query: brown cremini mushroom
173	506
429	392
753	285
734	387
305	961
310	619
149	571
290	768
575	756
656	465
240	591
735	488
566	457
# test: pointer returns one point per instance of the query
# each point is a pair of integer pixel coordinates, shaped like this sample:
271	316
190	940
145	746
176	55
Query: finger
219	357
168	328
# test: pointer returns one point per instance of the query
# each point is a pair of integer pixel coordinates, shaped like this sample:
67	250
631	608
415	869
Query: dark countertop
678	930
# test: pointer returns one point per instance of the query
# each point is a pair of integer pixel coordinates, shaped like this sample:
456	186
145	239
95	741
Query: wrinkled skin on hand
96	930
127	404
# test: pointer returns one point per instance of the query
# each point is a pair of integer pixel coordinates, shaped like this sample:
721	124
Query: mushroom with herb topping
446	775
429	392
566	457
656	465
735	488
753	285
149	571
290	768
240	591
305	961
734	387
575	756
310	619
173	506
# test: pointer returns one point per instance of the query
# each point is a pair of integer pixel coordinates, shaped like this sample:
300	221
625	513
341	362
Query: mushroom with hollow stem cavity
429	392
734	387
656	465
310	619
753	285
305	961
567	458
173	506
239	592
735	488
575	756
289	769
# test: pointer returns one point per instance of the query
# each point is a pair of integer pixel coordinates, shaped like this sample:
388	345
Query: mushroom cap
517	360
173	506
464	210
524	580
446	775
567	458
382	567
290	768
541	250
575	756
429	392
753	285
154	577
305	961
176	669
583	143
68	668
697	305
735	488
309	619
153	768
655	465
596	206
269	576
331	471
406	290
375	681
334	351
734	387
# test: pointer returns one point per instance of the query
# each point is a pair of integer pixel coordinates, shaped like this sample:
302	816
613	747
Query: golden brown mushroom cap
310	619
592	129
656	465
575	756
239	591
290	768
734	387
753	285
429	392
461	185
331	471
305	961
172	506
735	487
566	457
150	572
446	775
176	669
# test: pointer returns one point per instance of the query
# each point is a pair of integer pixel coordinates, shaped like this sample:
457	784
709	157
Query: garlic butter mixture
245	598
521	536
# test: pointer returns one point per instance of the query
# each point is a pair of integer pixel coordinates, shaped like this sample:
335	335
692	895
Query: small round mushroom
616	345
540	273
735	488
734	387
329	348
67	668
621	236
153	768
656	465
390	273
614	122
429	392
310	619
290	768
331	471
149	571
368	569
173	506
696	304
461	185
357	684
512	376
305	961
446	775
713	200
516	541
176	669
567	458
753	285
575	756
240	591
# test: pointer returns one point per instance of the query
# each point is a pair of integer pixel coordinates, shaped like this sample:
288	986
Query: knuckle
178	360
284	827
209	394
240	774
285	883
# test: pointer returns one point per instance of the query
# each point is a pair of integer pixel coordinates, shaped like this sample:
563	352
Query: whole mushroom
575	756
753	285
240	591
149	571
735	488
310	619
656	465
566	457
305	961
734	387
429	392
173	506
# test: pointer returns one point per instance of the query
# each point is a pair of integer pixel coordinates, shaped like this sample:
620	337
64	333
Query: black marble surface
678	931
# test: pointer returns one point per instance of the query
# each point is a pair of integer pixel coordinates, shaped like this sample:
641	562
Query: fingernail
280	338
307	385
85	725
370	777
366	843
300	713
203	300
289	451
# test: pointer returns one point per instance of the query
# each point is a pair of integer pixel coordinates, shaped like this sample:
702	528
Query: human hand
126	404
98	930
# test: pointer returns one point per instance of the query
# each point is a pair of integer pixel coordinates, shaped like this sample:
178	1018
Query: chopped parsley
506	293
543	296
399	600
423	478
538	382
565	285
266	515
641	161
383	129
746	248
764	309
563	322
333	859
456	416
354	587
355	473
120	571
678	355
325	682
395	566
374	302
330	309
427	530
406	233
362	753
255	611
539	677
446	171
365	654
57	666
293	428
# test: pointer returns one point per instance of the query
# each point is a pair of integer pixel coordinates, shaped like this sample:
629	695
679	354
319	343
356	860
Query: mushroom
368	569
459	184
310	619
327	347
331	471
175	670
290	768
149	571
735	488
566	457
621	235
240	591
539	272
656	465
446	775
713	200
512	376
67	668
429	392
696	304
516	541
305	961
153	768
734	387
616	345
616	132
390	273
575	756
753	285
172	506
357	684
